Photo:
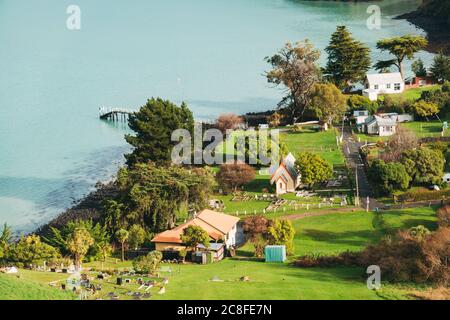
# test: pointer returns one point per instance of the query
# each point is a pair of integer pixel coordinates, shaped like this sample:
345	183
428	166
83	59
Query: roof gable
220	221
384	78
216	224
288	166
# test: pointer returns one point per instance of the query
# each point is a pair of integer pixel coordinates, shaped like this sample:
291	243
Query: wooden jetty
115	114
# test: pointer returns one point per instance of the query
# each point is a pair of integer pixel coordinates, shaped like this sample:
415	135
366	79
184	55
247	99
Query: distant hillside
13	288
437	9
433	16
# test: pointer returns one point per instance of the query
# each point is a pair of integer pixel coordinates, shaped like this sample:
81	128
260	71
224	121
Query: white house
383	83
378	125
360	116
383	124
446	178
285	176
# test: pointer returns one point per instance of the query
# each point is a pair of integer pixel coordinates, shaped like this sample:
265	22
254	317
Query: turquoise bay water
210	53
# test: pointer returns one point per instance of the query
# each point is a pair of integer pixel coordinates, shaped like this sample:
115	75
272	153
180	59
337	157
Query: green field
31	286
322	143
327	234
426	129
332	234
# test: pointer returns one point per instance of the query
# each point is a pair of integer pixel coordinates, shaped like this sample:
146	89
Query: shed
275	253
217	250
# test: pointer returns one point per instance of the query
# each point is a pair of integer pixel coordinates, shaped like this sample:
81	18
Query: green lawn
322	143
426	129
332	234
327	234
31	286
414	94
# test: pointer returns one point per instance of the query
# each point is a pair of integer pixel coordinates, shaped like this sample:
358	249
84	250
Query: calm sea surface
53	148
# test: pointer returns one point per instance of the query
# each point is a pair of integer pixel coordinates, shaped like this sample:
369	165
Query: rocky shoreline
438	31
88	208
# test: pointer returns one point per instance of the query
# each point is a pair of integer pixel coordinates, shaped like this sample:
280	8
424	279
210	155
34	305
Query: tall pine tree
153	125
441	68
348	59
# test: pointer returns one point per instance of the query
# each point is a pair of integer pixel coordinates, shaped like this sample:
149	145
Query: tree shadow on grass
332	275
351	238
430	225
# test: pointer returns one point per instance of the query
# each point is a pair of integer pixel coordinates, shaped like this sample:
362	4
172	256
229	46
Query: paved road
351	152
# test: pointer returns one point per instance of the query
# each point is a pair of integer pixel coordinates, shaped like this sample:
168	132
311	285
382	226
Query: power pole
357	187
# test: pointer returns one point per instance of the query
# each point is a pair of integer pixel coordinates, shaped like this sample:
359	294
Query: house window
388	86
376	87
397	87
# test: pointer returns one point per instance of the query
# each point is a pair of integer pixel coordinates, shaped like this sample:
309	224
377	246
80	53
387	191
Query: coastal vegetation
152	194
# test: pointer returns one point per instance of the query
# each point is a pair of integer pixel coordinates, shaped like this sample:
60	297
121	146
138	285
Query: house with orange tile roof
285	176
219	226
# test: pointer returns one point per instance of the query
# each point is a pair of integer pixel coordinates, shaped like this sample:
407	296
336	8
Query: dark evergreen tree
153	125
348	59
418	68
441	68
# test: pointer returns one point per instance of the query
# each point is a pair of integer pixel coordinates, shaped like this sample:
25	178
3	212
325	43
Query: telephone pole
357	187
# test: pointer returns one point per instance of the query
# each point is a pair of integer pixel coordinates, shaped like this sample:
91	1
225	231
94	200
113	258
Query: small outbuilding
275	253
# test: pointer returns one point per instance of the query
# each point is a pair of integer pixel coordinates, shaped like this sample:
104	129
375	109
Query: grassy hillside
328	234
322	143
436	8
14	288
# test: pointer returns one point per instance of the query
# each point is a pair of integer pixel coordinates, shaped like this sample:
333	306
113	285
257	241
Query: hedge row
424	195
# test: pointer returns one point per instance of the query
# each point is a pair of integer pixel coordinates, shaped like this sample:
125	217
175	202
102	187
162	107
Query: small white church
285	176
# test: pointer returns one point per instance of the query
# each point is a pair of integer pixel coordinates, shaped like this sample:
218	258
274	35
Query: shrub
424	166
424	195
443	215
358	102
255	230
148	263
234	175
388	177
282	232
397	104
